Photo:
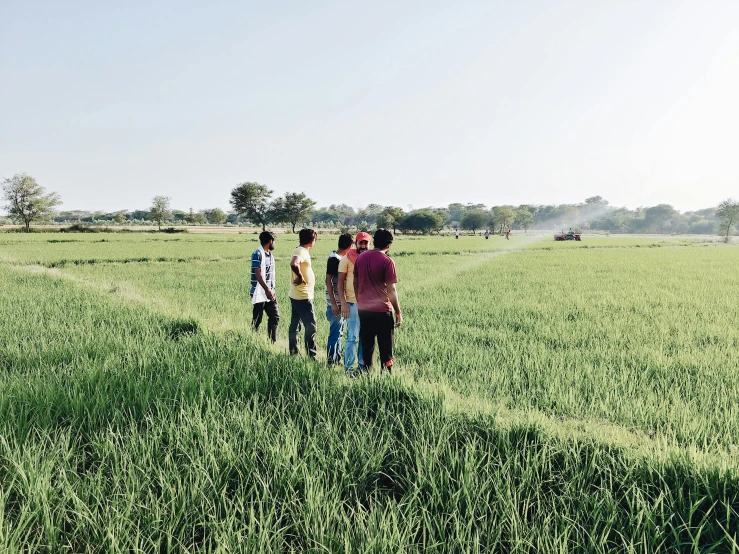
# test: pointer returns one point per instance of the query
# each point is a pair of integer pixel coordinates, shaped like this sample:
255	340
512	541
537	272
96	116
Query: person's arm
391	278
342	295
295	266
332	294
263	284
392	293
356	281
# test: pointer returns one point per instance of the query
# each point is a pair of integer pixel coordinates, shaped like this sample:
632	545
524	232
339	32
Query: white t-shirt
261	259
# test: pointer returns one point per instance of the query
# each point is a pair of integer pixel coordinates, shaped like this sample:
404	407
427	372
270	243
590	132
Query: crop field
547	397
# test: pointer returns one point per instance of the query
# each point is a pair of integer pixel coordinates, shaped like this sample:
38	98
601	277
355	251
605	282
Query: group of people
487	234
361	297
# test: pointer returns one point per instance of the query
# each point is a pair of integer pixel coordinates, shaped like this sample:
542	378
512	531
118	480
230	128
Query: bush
31	230
422	221
80	228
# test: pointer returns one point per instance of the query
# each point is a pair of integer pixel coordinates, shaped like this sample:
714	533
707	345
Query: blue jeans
352	339
335	332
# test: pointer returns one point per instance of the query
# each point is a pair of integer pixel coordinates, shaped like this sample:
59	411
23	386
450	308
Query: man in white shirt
263	296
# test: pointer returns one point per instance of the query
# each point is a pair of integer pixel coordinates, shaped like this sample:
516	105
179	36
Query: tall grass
645	339
130	427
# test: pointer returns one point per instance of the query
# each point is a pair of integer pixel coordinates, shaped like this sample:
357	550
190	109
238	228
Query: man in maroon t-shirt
377	298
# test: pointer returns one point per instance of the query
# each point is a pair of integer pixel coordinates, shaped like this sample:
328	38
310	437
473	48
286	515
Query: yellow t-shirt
345	266
305	290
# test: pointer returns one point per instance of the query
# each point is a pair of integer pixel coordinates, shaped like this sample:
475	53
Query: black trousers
302	314
273	317
380	326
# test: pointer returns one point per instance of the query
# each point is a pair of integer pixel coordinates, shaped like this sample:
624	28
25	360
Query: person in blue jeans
333	303
349	308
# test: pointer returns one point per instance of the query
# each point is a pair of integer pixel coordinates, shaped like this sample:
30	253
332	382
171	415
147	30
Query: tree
324	215
253	201
503	216
593	208
294	208
142	215
443	212
660	215
27	201
160	210
343	213
423	221
178	216
619	219
474	219
74	215
571	214
728	213
596	203
389	217
525	219
196	218
216	216
456	210
120	217
370	213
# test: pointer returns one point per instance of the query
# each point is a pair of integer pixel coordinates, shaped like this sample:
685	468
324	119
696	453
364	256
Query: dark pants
380	326
303	314
273	317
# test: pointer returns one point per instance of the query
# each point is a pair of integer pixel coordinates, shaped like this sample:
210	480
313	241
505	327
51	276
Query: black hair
383	238
265	237
345	241
306	236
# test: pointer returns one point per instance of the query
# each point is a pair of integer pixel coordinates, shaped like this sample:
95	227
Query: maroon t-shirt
375	270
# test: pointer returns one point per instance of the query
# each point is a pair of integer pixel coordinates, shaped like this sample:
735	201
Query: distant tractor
569	235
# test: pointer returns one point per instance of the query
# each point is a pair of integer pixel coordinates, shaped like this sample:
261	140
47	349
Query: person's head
383	239
345	241
363	241
307	237
267	240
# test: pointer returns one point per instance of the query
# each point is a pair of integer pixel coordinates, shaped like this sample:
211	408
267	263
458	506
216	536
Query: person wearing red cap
377	299
349	309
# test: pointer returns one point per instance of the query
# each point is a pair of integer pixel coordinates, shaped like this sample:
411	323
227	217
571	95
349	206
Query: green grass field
547	397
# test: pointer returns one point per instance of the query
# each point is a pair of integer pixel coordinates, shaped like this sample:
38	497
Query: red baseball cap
362	235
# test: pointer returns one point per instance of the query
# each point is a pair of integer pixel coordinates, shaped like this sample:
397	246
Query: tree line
254	204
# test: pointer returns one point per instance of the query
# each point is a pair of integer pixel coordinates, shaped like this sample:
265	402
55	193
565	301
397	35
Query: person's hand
398	319
335	310
298	280
272	296
345	310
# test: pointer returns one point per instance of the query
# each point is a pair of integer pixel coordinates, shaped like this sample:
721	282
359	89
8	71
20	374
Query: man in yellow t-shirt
348	299
302	286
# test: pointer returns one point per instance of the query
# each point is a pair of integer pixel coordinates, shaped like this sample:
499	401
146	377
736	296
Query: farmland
548	397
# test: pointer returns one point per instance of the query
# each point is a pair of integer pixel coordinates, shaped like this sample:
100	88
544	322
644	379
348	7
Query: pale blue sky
421	103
